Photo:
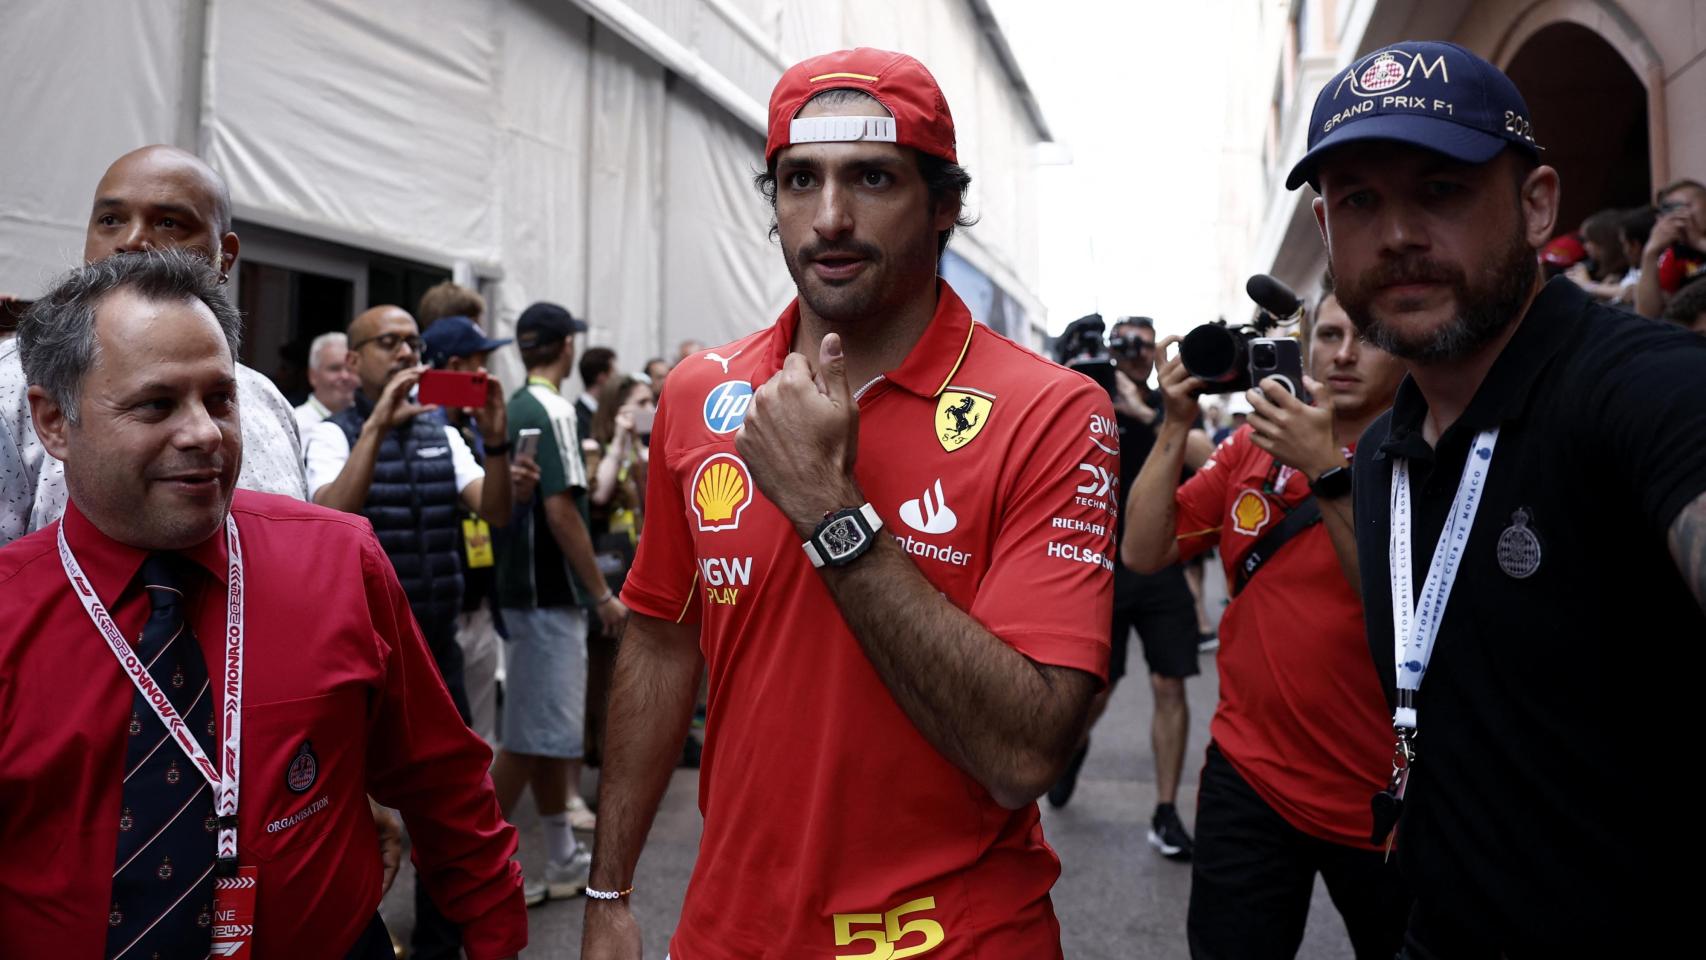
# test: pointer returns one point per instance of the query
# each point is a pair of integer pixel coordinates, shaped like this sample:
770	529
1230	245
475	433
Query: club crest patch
304	769
1519	548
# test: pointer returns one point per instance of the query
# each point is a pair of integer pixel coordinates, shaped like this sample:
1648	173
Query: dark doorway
1590	113
283	310
401	282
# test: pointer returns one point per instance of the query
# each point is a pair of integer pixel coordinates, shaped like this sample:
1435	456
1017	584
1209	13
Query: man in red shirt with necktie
187	773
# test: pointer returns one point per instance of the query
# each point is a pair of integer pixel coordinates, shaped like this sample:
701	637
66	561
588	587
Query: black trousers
373	944
1252	875
435	937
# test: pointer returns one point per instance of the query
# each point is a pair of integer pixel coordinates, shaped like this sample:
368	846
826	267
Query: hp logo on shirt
725	407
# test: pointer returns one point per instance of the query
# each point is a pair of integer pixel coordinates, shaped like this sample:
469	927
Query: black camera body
1080	347
1230	359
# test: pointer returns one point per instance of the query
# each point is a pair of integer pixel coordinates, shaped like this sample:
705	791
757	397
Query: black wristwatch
498	449
843	536
1333	483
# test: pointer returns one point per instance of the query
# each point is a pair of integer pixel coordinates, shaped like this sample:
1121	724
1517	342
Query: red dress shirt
332	658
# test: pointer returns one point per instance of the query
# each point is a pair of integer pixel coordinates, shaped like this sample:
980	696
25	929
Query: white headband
839	129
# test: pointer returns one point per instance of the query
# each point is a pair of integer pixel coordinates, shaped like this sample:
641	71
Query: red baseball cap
918	113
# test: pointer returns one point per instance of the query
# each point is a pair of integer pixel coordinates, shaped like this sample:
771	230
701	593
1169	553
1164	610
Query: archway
1590	113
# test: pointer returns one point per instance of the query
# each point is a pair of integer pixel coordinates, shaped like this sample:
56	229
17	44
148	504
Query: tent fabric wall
722	276
70	109
625	290
544	73
372	116
522	142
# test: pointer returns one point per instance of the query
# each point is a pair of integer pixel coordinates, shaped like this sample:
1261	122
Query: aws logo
722	490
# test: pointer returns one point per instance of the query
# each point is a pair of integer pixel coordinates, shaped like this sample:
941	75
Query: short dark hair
1637	224
1688	304
594	363
944	180
544	353
56	340
1674	186
1143	322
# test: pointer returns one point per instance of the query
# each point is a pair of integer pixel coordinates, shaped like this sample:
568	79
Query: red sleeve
424	761
1049	589
662	578
1202	499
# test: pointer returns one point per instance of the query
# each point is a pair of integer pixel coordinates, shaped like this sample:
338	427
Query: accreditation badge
477	541
234	914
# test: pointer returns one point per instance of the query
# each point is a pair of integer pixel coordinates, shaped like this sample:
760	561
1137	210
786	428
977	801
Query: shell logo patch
1250	513
722	489
960	416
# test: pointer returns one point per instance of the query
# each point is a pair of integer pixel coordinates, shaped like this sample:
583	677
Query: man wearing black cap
1539	459
412	476
544	711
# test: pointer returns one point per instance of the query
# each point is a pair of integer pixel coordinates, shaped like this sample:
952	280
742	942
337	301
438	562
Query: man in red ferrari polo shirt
186	774
886	531
1300	735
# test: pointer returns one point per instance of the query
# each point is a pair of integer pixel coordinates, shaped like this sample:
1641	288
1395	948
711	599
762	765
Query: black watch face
842	537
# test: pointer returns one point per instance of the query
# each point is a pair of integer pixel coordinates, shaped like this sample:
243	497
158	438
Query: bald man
153	198
397	463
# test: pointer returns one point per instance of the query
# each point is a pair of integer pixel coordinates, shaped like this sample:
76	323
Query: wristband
609	595
608	894
497	449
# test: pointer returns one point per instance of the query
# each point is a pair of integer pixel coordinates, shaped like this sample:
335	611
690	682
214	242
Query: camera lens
1263	356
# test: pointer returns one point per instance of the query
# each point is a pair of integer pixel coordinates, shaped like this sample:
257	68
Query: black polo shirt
1558	717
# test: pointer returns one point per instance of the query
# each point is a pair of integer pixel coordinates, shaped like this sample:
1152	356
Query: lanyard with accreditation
234	887
1416	618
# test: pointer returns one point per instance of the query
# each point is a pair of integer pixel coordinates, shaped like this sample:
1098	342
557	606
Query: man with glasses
411	475
1159	607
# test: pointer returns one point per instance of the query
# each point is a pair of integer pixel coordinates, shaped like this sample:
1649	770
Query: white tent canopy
596	153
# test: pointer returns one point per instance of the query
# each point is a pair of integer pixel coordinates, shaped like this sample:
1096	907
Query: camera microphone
1274	297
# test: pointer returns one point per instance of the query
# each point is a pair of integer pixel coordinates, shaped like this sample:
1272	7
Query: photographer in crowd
1676	249
1158	606
1300	735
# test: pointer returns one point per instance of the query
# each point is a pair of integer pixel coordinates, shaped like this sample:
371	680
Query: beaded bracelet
608	894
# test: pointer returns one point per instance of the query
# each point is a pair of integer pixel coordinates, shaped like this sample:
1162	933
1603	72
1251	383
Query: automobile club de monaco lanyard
234	889
1416	618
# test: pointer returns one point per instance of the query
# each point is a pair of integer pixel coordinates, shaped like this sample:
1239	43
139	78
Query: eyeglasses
388	342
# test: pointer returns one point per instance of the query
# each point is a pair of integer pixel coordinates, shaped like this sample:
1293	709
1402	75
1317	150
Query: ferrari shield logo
960	416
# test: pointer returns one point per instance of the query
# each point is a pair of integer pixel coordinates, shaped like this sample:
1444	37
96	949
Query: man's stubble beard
1485	309
885	285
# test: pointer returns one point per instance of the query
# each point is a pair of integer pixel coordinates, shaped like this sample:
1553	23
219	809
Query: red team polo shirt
832	828
332	660
1301	715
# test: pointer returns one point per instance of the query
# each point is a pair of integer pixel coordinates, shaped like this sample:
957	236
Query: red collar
111	566
934	358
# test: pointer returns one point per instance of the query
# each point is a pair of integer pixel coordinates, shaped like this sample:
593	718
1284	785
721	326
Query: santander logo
929	514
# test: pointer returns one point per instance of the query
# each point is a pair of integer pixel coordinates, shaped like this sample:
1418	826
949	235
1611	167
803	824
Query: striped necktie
162	896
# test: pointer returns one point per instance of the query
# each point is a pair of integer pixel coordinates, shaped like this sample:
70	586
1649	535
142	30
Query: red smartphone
450	388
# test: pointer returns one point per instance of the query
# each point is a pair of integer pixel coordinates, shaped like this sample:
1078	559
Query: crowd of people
1643	259
892	559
